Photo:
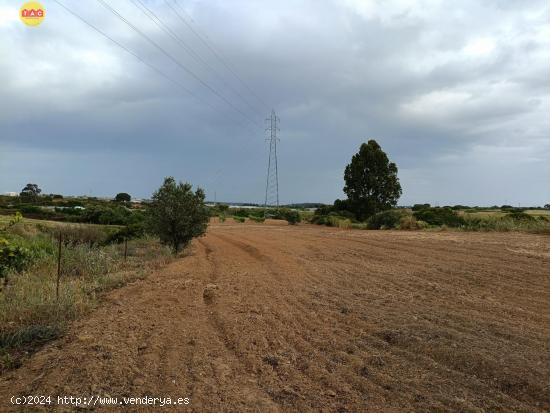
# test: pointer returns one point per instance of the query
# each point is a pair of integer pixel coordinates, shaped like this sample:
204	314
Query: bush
30	209
256	218
292	217
419	207
118	215
333	219
221	217
520	216
439	216
12	258
126	233
319	219
239	219
325	209
385	219
241	212
177	214
409	222
344	224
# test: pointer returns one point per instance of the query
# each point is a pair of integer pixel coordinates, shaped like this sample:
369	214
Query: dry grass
30	311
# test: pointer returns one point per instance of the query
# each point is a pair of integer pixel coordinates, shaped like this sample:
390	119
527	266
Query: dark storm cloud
458	95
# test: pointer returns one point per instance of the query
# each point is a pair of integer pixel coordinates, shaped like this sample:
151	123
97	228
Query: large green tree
371	180
177	214
30	192
123	197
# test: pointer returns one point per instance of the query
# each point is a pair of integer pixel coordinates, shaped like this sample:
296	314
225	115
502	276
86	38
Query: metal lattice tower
272	183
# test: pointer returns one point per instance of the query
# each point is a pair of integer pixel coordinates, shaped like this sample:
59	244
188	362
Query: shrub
292	217
319	219
520	216
128	232
325	209
30	209
221	217
439	216
419	207
344	224
385	219
12	258
239	219
409	222
257	219
177	214
241	212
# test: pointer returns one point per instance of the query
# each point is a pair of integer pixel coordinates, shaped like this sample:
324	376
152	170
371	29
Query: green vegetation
30	192
93	259
386	219
439	217
291	216
176	214
30	311
371	182
371	186
259	214
123	197
423	216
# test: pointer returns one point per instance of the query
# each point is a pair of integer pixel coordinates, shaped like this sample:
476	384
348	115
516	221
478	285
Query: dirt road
275	318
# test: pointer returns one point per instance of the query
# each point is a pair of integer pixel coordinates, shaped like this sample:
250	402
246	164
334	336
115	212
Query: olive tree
177	214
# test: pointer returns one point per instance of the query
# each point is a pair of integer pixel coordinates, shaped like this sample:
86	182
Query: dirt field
317	319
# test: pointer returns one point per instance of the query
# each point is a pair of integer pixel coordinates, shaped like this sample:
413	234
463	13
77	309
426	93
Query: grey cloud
450	90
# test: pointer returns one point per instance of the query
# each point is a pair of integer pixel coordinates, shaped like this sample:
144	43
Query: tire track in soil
276	336
437	255
271	381
212	313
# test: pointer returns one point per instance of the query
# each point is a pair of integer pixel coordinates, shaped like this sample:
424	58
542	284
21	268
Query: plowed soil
268	318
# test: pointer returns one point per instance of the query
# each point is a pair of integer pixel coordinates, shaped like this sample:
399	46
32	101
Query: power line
210	46
151	66
151	15
272	182
176	61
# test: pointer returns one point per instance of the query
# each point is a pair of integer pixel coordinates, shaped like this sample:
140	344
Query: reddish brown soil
316	319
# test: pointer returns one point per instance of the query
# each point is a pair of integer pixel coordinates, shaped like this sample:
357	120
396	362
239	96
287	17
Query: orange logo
32	13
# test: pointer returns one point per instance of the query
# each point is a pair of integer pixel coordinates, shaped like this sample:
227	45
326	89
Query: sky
456	93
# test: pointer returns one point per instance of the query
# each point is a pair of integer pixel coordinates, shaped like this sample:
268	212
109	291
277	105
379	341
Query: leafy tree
371	180
547	206
30	191
176	214
123	197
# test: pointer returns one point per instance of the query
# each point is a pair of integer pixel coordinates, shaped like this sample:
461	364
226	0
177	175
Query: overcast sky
456	92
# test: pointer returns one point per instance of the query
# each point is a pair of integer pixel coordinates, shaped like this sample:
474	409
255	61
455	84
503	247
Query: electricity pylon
272	183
